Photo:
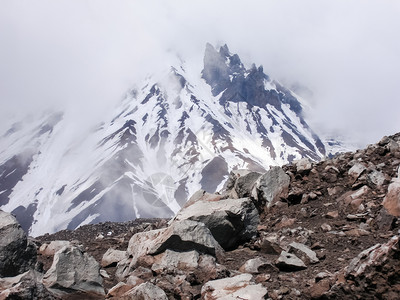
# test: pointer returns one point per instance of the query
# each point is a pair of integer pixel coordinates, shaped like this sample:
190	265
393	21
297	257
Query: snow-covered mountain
178	132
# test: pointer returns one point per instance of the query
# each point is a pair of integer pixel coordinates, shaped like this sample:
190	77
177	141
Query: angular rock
272	186
304	252
119	290
392	199
238	287
376	178
24	286
145	291
231	221
289	262
371	256
112	257
185	235
256	265
244	185
270	244
53	247
303	165
17	255
356	170
171	260
72	270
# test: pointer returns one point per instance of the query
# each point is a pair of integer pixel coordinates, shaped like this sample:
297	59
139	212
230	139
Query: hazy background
83	56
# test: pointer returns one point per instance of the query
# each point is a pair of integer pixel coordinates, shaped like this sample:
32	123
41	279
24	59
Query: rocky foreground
323	230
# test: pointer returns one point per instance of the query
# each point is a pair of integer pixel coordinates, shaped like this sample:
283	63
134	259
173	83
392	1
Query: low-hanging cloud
82	56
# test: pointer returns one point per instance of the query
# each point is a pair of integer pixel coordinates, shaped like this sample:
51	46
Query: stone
332	214
118	290
73	270
256	265
272	186
244	185
171	260
184	235
231	221
237	287
303	166
289	262
370	257
53	247
17	254
133	280
326	227
145	291
376	179
112	257
270	245
356	170
304	252
27	285
391	202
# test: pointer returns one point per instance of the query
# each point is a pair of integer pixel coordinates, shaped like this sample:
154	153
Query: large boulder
238	287
17	255
272	186
231	221
185	235
73	270
392	198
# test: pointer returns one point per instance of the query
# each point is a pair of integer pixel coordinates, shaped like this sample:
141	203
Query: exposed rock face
231	221
17	255
73	270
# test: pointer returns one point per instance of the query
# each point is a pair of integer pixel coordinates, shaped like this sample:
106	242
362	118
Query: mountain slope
180	131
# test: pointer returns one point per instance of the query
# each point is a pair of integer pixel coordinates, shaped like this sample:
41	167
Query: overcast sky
84	55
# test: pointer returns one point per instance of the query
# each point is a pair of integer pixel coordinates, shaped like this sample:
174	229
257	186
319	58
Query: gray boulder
272	186
244	185
145	291
73	270
24	286
185	235
17	254
231	221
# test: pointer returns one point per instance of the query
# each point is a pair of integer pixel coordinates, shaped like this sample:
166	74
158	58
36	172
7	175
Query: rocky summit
307	230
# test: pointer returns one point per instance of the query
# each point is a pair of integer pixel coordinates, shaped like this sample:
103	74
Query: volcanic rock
17	254
231	221
73	270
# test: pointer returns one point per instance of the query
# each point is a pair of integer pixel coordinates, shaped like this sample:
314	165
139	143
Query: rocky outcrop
17	254
330	232
73	270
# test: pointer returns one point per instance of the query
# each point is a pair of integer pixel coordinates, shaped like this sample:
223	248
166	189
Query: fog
82	56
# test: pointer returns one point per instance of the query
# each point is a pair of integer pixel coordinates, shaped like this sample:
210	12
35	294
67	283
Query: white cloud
84	55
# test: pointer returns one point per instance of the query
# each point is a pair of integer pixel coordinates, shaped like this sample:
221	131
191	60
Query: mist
83	56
